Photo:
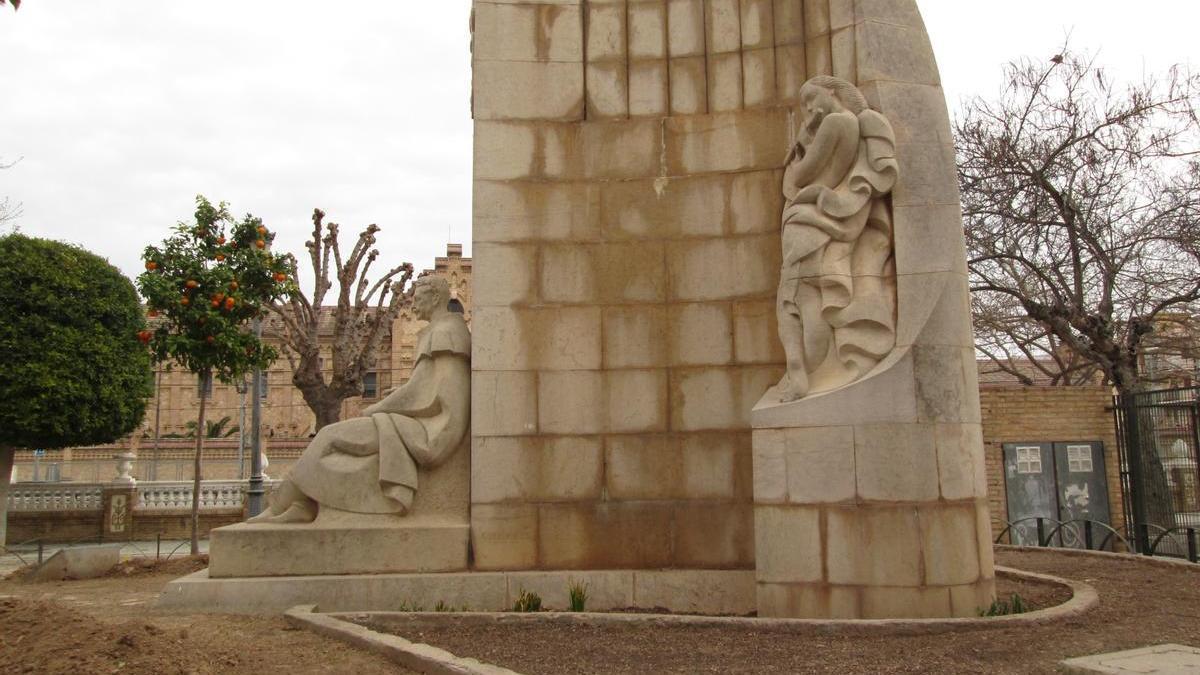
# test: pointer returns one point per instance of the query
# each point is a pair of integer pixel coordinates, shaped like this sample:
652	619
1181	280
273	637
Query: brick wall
1013	414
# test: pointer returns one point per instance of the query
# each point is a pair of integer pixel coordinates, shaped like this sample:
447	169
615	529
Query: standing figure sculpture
837	291
369	464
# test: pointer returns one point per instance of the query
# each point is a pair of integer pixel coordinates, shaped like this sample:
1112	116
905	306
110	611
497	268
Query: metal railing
1092	535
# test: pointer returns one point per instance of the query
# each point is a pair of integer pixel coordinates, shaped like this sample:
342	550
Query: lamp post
254	494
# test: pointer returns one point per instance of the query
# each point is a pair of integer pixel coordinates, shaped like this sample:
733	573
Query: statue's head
430	294
824	94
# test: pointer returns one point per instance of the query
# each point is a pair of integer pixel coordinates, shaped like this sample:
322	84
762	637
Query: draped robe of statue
372	468
838	288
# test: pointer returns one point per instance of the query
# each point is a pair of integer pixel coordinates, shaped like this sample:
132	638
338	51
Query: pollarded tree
73	371
361	318
1081	202
203	285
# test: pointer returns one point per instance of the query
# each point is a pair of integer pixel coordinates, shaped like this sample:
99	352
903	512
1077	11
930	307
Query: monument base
715	592
335	545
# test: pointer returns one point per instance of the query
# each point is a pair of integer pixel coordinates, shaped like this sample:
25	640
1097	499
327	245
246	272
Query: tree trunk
205	378
322	400
6	464
1155	492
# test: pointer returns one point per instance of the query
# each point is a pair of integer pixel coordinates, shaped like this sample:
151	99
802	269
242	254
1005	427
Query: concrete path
1160	659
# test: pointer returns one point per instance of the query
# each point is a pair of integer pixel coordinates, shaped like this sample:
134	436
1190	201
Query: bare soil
111	625
1140	604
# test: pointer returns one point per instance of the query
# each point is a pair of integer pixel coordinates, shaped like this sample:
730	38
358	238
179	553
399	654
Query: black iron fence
1093	535
1158	434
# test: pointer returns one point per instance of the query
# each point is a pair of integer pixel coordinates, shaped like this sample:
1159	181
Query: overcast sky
121	112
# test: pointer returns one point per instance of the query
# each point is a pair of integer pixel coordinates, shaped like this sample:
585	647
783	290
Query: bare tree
9	212
1080	201
15	3
360	320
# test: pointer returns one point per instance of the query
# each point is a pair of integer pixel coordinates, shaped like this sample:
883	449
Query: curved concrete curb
1083	599
415	656
1160	561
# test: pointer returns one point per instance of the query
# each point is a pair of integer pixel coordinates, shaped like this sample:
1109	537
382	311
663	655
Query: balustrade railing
55	497
165	496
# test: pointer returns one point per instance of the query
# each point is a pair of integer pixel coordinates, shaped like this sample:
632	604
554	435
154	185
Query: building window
1029	459
1079	458
370	385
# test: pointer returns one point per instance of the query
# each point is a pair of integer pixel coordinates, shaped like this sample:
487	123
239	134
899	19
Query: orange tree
202	286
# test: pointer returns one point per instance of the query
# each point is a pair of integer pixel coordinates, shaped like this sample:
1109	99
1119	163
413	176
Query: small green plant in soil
1016	605
577	590
528	602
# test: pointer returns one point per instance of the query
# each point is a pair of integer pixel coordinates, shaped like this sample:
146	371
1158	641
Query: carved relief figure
369	464
837	292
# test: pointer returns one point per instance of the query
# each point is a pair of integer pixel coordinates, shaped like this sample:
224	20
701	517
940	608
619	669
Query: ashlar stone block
950	549
724	81
820	465
607	90
636	400
685	24
757	30
503	30
714	536
758	77
689	85
788	544
788	21
701	334
538	469
895	462
606	31
856	535
528	90
503	403
571	402
507	211
648	88
635	336
504	274
581	536
647	29
722	22
504	536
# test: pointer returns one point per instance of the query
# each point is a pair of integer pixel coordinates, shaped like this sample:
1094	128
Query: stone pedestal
434	537
871	500
340	544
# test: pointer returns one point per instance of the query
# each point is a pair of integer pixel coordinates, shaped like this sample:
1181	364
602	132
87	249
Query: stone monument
655	410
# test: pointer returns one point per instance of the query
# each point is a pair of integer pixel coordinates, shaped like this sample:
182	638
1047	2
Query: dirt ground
110	625
1140	605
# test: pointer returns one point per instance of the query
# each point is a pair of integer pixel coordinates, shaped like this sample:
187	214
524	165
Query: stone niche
627	171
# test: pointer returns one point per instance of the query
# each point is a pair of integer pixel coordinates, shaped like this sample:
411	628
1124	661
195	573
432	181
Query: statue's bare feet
298	512
789	390
264	517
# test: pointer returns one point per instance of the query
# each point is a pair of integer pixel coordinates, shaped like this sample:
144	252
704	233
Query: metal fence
1158	434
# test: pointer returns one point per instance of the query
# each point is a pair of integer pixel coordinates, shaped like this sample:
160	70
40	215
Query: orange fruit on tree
219	257
210	339
229	303
221	240
260	243
184	301
192	283
280	277
233	285
144	336
151	265
262	230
